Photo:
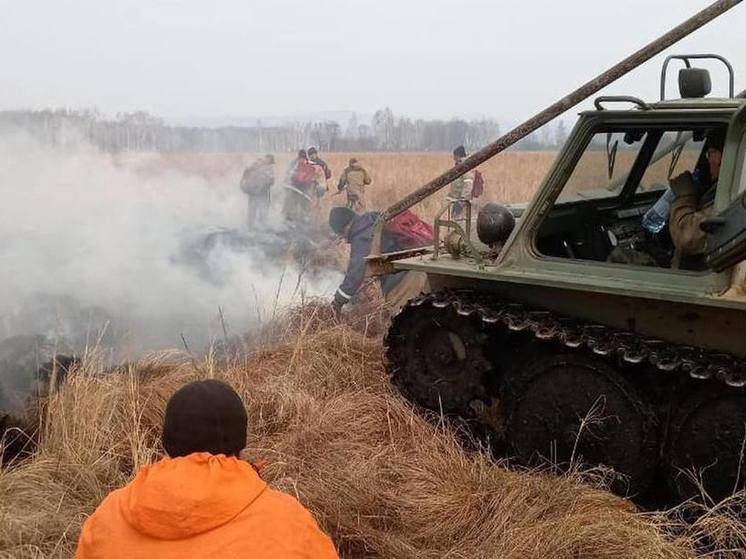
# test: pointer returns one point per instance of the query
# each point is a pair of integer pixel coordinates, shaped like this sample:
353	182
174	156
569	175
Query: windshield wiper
678	143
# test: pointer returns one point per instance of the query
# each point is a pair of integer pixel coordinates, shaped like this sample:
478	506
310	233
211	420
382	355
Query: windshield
604	166
611	157
677	152
616	202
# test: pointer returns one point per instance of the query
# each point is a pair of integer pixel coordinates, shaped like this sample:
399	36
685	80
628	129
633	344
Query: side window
616	203
603	167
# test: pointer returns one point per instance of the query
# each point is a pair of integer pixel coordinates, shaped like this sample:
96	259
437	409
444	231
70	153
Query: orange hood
177	498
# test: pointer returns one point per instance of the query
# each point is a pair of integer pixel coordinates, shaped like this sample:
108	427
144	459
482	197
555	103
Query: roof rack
686	58
598	102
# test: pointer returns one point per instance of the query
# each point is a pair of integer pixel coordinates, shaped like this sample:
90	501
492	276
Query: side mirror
694	83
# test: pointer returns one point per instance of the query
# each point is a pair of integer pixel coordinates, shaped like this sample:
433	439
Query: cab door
726	243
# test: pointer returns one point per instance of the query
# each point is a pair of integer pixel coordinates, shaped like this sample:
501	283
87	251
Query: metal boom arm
583	92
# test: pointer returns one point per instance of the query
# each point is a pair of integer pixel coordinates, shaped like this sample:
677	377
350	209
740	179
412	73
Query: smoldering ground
89	247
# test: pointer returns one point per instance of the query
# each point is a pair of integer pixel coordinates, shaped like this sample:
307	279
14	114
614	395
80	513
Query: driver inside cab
695	194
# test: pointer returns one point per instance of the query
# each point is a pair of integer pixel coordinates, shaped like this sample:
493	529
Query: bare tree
141	131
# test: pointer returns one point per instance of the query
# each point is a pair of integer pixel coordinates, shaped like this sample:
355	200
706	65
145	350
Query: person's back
201	504
303	176
248	179
313	157
355	178
257	182
355	175
358	231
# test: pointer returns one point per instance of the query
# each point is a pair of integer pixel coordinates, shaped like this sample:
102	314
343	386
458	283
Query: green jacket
354	177
688	211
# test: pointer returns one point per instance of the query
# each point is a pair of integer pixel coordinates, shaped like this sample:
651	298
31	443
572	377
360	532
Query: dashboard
594	229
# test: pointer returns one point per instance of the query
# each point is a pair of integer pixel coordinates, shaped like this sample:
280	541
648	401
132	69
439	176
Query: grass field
382	479
510	177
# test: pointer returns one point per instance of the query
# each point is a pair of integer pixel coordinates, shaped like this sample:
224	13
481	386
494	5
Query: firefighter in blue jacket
357	230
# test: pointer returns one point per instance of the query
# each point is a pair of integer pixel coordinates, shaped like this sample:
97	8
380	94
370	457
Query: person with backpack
300	189
468	186
406	231
256	183
313	157
202	500
354	178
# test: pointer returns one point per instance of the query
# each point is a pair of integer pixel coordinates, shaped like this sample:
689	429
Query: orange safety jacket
201	506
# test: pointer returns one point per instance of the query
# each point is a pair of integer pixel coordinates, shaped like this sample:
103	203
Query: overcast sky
437	58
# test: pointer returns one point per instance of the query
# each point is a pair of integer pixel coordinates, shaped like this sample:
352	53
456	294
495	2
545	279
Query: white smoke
81	229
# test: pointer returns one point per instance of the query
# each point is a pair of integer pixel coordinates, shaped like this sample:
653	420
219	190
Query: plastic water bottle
656	217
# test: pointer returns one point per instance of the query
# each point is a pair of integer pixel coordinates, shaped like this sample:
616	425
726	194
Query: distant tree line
142	132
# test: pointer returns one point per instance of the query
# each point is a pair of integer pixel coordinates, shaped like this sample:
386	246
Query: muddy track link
437	352
597	339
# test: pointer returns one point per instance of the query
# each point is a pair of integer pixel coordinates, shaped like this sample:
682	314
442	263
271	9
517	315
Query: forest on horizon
143	132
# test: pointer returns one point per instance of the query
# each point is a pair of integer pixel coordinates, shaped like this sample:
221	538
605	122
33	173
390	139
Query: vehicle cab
590	223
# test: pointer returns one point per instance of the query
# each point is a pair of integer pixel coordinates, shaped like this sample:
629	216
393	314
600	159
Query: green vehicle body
693	308
545	327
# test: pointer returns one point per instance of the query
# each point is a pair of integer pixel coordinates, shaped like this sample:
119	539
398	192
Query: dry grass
383	481
510	177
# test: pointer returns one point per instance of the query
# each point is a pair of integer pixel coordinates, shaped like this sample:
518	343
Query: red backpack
410	231
477	188
303	175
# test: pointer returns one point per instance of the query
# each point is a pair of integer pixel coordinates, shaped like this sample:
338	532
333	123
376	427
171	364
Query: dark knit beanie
204	416
312	151
339	217
460	152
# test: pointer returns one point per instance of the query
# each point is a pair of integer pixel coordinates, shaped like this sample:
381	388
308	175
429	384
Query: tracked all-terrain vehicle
578	326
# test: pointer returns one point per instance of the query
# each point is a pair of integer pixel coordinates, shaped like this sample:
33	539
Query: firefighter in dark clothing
299	187
313	157
357	230
257	182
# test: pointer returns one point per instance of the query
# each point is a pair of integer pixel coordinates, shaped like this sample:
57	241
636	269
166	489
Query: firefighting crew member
357	230
313	157
202	500
300	184
257	182
695	196
354	178
461	188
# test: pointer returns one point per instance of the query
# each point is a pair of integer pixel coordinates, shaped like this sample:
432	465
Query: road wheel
436	357
572	409
706	452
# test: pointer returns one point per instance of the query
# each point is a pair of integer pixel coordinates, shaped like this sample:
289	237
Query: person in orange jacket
202	501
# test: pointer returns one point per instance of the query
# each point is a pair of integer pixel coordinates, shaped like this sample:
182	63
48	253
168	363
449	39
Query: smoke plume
89	243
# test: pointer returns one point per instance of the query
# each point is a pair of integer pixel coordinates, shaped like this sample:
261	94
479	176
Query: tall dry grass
384	481
510	177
